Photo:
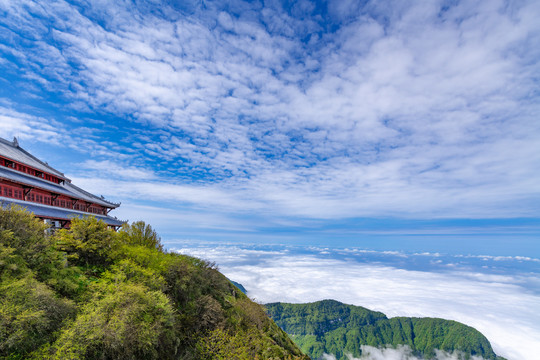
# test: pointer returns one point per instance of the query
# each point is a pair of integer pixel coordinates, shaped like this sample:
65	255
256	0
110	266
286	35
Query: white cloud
169	222
403	110
108	168
27	127
203	196
502	309
401	352
35	133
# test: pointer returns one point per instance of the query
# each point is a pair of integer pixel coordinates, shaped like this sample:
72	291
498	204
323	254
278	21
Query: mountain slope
91	293
334	328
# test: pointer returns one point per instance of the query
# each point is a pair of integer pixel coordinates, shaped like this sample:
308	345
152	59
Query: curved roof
13	151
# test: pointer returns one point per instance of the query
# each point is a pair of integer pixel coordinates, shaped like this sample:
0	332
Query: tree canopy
89	292
334	328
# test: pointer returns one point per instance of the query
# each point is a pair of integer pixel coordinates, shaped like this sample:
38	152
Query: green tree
89	242
123	321
20	230
30	314
334	328
23	235
91	293
140	233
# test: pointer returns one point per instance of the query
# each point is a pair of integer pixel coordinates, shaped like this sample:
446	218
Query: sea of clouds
401	352
499	296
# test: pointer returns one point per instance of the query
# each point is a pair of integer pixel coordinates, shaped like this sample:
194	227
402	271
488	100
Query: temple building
46	192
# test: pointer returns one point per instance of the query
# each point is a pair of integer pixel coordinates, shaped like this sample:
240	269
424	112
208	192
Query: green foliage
140	233
24	243
221	344
335	328
89	242
127	270
26	230
430	334
30	313
11	264
124	321
91	293
252	336
148	258
23	232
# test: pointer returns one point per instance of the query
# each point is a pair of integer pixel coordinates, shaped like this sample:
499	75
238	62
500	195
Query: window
17	194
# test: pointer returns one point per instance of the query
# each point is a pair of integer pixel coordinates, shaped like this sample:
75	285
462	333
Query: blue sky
387	124
388	151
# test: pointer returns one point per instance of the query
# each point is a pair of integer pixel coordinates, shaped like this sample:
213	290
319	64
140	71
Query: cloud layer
501	306
400	353
317	111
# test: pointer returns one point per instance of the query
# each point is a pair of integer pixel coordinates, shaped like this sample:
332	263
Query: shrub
140	233
89	242
25	233
123	321
30	313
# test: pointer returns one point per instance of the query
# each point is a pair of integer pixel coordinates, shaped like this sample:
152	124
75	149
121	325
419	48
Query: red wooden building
33	184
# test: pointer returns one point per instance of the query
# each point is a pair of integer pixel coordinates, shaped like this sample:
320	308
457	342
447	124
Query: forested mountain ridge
330	327
92	293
